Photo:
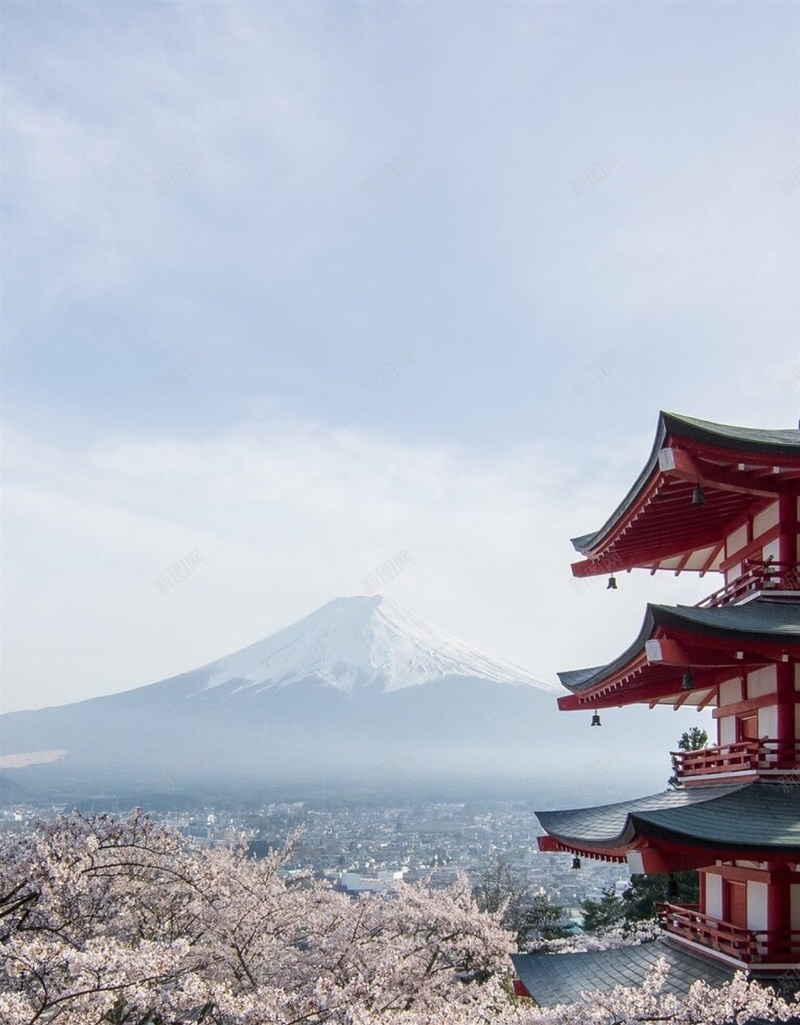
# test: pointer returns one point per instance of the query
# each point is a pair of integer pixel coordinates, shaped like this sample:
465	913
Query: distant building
354	882
722	499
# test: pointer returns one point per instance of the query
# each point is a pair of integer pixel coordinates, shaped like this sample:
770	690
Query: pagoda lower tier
744	839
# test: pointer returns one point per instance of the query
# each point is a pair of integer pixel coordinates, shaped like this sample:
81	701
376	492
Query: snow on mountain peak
361	643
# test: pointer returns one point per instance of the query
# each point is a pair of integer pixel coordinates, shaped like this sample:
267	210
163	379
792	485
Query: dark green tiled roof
752	439
758	620
575	679
756	816
554	979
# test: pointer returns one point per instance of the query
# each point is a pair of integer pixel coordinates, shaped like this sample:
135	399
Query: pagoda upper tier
703	483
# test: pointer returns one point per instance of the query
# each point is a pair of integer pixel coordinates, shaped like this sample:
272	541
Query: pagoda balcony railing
757	576
746	755
746	945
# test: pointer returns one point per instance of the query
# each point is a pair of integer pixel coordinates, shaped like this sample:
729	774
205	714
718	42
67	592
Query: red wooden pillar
787	524
785	733
779	920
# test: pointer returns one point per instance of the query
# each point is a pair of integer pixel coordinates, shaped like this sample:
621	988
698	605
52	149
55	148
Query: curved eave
672	855
656	526
751	819
643	828
712	642
566	978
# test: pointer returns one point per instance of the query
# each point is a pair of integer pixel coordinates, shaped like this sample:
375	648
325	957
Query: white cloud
287	517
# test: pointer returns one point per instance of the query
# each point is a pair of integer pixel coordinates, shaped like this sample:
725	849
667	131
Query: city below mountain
359	695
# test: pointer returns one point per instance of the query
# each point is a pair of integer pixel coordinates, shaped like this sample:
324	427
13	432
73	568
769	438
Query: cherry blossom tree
106	922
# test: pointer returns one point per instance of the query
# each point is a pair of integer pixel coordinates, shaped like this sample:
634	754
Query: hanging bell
698	496
596	719
612	584
576	862
687	683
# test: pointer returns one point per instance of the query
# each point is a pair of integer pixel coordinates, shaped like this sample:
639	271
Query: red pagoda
722	499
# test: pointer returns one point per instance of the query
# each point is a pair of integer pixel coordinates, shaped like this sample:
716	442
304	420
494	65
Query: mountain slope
356	685
355	644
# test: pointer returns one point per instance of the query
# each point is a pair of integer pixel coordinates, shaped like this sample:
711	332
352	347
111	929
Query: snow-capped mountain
359	690
357	643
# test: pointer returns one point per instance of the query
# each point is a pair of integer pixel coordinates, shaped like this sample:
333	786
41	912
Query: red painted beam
765	701
680	464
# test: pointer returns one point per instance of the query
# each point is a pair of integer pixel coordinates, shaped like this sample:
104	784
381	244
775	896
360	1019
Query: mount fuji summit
359	691
356	645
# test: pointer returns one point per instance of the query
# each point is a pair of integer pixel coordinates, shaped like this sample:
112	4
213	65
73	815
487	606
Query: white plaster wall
762	681
727	729
730	691
714	896
773	549
756	905
765	519
768	721
736	540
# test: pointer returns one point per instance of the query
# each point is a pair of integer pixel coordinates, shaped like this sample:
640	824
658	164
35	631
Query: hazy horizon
304	299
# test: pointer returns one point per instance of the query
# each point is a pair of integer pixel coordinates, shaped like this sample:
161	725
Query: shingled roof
554	979
760	817
764	463
761	621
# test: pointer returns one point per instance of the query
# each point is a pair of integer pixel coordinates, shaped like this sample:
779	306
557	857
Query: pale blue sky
371	183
